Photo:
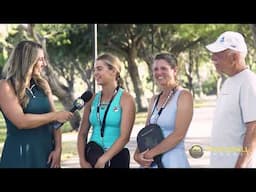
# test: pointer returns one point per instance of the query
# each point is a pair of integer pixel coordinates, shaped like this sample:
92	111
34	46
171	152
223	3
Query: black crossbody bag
151	135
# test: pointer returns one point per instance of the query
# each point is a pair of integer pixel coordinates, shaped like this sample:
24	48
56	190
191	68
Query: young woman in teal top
27	106
119	119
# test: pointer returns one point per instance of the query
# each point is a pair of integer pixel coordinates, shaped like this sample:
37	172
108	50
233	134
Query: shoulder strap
157	100
173	91
105	114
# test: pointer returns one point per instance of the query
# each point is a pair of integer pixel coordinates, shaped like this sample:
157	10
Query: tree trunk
253	28
199	82
188	69
64	95
220	82
133	71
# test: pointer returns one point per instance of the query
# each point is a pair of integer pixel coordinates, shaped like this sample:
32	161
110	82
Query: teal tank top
112	123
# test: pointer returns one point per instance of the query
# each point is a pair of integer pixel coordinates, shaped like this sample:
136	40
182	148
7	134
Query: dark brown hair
168	57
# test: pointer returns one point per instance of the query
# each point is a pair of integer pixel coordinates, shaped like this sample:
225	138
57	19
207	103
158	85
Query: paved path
198	133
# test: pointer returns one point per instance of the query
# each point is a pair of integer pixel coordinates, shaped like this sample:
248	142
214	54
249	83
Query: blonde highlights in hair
19	67
112	62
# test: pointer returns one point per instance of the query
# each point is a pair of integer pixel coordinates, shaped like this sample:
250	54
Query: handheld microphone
77	105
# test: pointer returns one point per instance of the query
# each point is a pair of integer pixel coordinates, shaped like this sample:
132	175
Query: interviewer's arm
55	155
12	109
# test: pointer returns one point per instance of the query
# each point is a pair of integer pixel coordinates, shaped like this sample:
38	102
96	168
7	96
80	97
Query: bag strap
157	100
172	92
158	160
105	114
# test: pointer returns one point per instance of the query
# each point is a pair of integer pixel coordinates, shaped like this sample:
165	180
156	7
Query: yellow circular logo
196	151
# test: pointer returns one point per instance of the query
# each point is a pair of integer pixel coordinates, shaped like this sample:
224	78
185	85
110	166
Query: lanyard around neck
105	114
172	92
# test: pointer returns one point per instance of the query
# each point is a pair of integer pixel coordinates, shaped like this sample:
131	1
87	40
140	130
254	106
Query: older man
233	142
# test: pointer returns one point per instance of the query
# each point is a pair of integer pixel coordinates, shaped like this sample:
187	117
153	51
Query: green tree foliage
70	48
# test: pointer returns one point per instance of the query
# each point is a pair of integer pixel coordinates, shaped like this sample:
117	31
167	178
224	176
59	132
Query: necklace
103	105
171	93
31	91
156	116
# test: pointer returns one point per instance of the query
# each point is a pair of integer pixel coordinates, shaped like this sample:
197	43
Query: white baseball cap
228	40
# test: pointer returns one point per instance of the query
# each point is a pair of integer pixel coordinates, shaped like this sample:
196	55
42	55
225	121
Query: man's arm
249	146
